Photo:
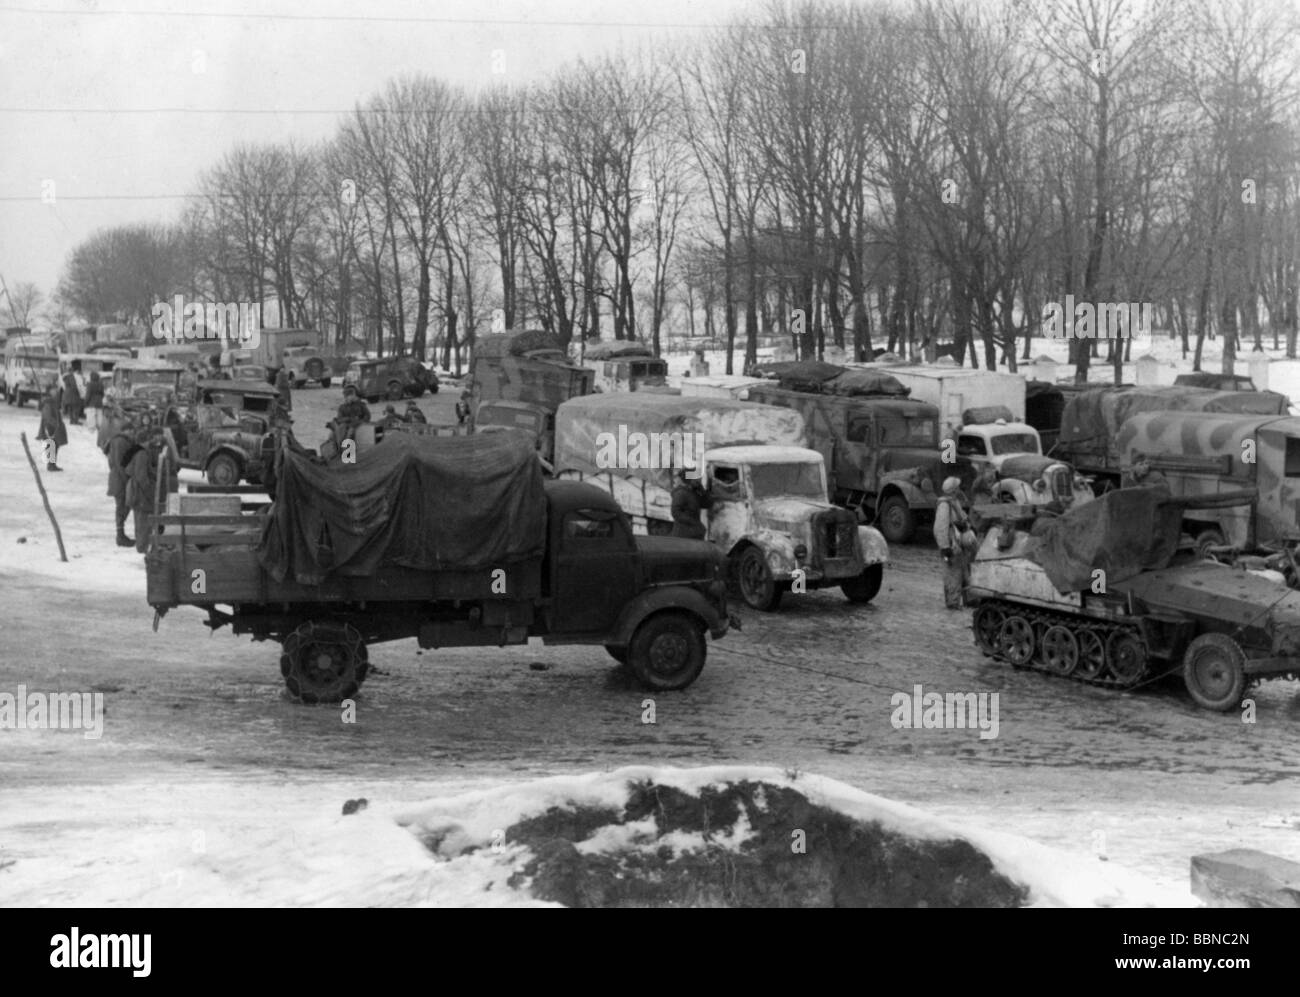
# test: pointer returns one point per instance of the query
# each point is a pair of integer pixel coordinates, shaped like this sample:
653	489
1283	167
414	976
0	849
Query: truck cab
1013	452
771	516
495	416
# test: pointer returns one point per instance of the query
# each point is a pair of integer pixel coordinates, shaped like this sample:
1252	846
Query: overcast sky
122	103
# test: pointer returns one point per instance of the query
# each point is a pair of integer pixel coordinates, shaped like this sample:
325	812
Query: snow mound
743	837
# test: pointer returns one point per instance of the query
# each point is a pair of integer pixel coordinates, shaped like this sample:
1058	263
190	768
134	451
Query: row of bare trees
923	177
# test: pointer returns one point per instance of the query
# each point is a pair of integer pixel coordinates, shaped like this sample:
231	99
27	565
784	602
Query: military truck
1202	454
228	433
881	451
1091	420
624	366
455	541
770	514
29	370
526	366
956	390
1012	454
1102	595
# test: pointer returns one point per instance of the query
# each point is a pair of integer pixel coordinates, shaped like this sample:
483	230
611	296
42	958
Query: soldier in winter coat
952	536
52	428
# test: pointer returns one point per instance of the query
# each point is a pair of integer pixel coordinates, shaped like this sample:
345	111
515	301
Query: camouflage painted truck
881	448
1091	420
1203	455
530	370
1103	595
770	513
455	541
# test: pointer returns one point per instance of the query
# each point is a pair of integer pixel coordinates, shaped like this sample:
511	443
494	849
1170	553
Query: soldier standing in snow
953	536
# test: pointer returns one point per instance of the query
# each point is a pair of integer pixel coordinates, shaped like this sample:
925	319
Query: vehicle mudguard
668	597
917	498
777	548
872	544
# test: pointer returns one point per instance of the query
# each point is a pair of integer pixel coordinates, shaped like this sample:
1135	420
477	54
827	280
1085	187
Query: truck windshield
1015	443
800	480
899	432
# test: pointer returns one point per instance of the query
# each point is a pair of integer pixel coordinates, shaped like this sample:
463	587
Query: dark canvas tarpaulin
1123	533
424	502
1095	416
826	378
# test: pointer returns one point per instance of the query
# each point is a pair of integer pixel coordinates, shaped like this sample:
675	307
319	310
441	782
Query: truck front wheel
324	382
757	586
667	651
897	522
865	586
324	662
224	470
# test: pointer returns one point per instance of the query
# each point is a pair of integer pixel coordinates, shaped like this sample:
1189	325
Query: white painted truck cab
771	516
1013	452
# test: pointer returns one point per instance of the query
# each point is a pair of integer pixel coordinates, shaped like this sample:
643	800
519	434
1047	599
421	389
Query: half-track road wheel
1092	655
667	651
1059	650
1016	641
1126	658
987	623
1214	671
324	662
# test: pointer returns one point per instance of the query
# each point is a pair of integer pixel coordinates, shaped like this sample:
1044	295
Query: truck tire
865	586
1214	671
896	520
754	579
324	382
667	651
299	385
324	662
1207	539
394	391
223	469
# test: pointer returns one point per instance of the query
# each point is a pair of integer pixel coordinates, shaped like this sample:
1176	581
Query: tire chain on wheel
1041	619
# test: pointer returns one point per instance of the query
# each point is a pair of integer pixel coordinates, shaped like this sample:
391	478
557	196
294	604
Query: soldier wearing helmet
954	538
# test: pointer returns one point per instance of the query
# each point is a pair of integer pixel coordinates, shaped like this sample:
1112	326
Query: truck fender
777	548
677	597
873	545
917	498
1018	491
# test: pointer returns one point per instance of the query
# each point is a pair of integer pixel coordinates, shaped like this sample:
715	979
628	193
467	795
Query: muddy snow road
1145	777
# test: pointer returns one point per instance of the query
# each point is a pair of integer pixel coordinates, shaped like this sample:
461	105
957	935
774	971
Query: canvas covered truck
881	449
769	514
1091	420
1103	595
453	541
525	366
624	366
1203	455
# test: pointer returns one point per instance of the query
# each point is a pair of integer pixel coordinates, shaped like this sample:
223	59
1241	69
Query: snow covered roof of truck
765	454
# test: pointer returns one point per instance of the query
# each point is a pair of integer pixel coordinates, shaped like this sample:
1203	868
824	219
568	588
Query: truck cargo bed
209	560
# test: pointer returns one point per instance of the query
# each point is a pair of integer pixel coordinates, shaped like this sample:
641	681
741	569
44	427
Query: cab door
595	570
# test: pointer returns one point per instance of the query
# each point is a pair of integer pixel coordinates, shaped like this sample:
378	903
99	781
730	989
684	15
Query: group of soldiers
354	413
134	450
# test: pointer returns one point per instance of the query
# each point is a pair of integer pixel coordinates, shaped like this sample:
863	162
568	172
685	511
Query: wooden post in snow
63	555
